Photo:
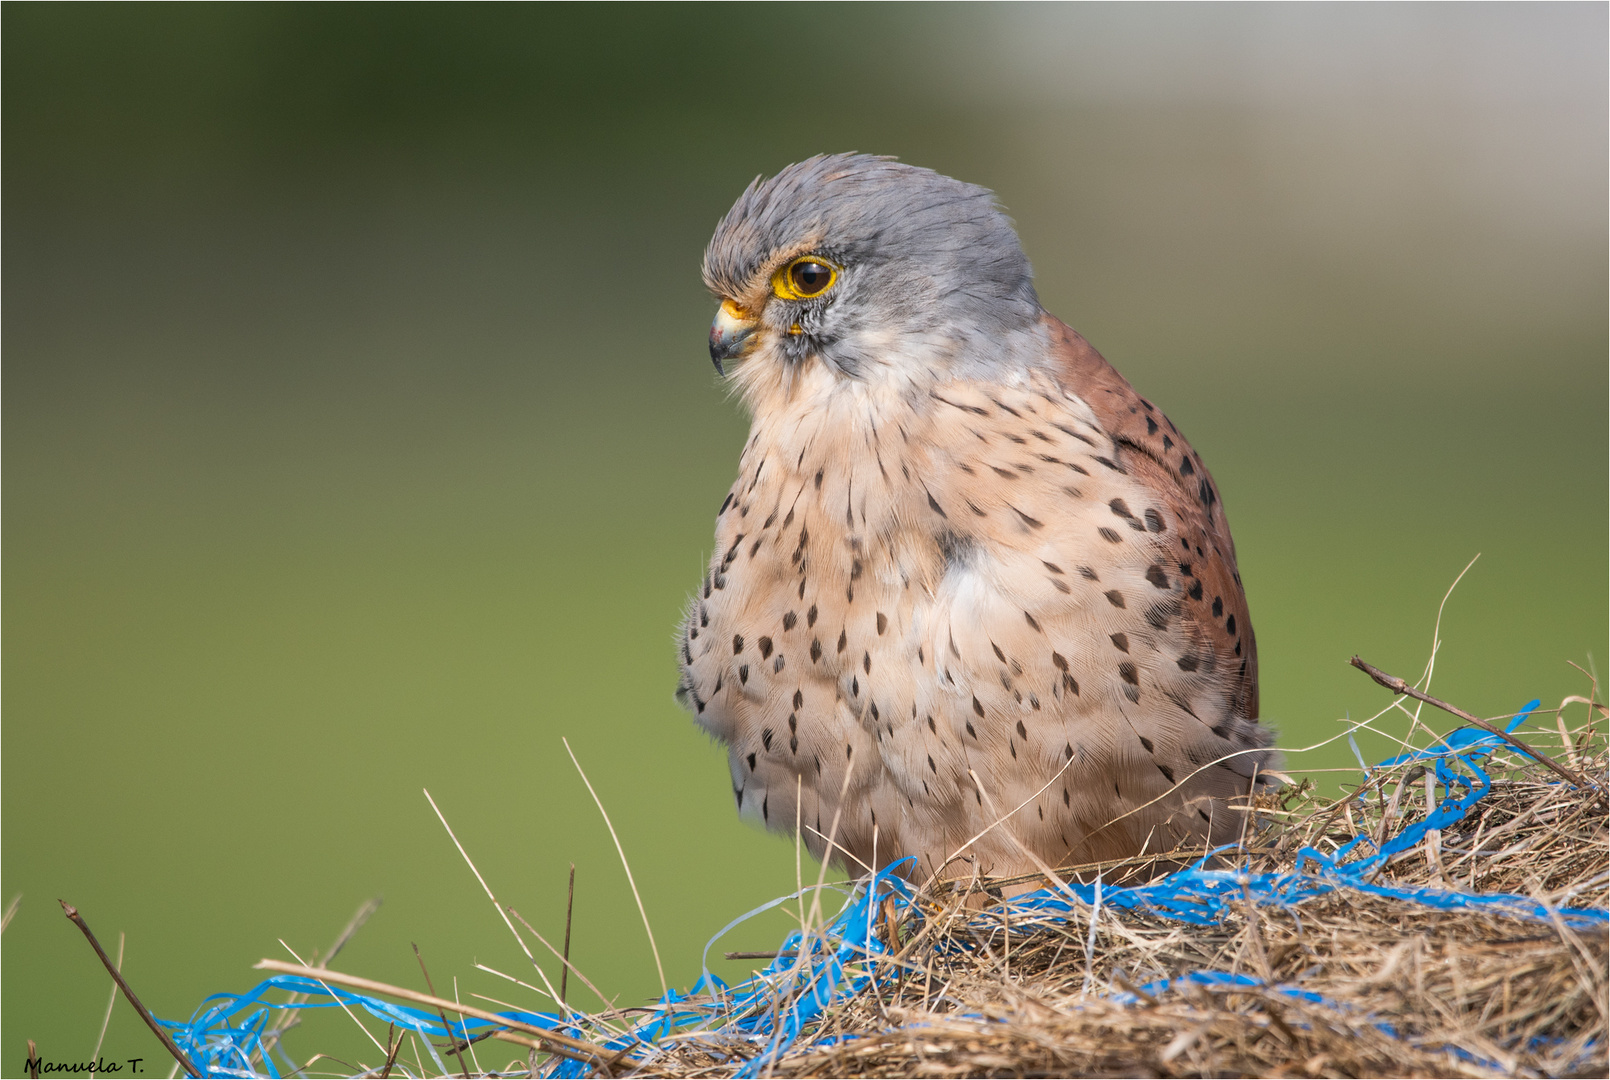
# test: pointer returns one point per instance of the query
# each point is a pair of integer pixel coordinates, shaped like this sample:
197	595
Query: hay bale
1478	949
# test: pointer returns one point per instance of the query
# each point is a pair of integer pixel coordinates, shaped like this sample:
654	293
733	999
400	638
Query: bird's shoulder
1148	446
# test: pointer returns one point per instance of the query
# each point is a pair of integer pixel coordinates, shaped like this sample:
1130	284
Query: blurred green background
359	435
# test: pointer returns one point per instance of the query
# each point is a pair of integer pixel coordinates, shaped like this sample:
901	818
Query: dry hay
1476	950
1408	989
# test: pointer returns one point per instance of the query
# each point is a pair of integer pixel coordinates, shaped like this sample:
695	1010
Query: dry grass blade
659	967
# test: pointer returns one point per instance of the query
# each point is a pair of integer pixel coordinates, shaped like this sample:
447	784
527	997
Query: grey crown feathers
931	261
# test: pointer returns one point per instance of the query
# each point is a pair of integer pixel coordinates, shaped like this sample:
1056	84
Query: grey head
869	266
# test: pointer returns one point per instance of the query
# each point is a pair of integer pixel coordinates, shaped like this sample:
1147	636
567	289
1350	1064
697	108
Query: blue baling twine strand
771	1010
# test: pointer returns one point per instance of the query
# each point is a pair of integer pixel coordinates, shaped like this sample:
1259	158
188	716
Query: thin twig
1398	686
568	965
290	1017
570	906
489	895
178	1055
107	1019
665	987
391	1055
448	1027
563	1045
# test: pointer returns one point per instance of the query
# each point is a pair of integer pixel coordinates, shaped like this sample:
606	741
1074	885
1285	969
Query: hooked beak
729	334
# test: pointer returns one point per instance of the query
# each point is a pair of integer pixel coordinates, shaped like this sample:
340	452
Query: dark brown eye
809	277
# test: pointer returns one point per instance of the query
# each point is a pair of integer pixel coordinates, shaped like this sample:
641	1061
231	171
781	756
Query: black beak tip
716	353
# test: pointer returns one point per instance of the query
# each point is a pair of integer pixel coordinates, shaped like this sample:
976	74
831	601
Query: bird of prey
967	581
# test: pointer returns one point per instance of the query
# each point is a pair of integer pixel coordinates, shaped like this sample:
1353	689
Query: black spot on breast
1237	649
816	649
751	763
875	711
1147	743
1120	642
931	766
1168	773
1011	744
1069	684
1187	663
1203	815
883	622
1156	576
778	664
755	546
970	730
855	687
724	504
866	663
793	744
1053	567
1154	520
1110	464
1127	672
1186	468
1030	522
931	726
743	675
737	644
810	616
1032	621
1060	661
1168	443
789	620
920	658
848	751
799	700
979	709
765	647
844	639
999	655
1151	426
1108	535
789	520
1065	800
1229	624
1218	606
1114	597
1007	473
934	505
818	479
1022	732
1195	592
1119	507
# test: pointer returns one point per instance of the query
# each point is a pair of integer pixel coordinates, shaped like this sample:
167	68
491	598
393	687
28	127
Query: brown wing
1149	447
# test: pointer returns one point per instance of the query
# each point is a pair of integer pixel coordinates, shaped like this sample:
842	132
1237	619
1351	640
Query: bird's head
877	271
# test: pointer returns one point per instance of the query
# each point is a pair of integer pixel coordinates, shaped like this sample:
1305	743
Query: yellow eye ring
806	278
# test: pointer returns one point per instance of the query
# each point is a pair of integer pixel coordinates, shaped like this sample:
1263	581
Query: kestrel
967	577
